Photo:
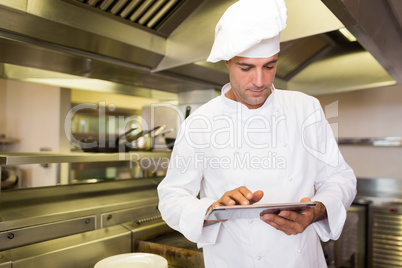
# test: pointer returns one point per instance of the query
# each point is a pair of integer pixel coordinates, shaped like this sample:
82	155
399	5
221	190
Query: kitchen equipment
170	141
124	142
137	260
351	249
106	146
372	234
10	177
144	141
387	235
88	221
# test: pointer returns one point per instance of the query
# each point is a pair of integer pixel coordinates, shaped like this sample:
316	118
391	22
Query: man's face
251	79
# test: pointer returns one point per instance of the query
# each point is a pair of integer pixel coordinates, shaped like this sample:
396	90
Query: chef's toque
249	28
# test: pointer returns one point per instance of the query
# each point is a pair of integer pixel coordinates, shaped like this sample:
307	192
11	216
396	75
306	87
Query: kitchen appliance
124	142
170	141
384	220
10	178
387	235
44	227
351	249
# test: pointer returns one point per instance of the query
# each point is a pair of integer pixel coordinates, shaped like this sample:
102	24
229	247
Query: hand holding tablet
254	211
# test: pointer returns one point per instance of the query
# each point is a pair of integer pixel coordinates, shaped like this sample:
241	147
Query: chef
256	144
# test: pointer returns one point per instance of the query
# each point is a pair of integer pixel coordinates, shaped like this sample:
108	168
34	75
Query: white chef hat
249	28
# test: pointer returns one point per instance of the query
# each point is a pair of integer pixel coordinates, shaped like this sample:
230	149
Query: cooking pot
106	146
144	141
124	142
9	177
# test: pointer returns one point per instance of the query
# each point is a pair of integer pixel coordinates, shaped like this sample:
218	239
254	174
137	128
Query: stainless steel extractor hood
163	44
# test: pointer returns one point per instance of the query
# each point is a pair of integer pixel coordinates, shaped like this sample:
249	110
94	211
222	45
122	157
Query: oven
351	249
44	227
387	235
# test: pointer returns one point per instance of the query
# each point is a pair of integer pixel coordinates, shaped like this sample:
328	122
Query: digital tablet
254	211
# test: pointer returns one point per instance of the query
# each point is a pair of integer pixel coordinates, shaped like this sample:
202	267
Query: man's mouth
257	90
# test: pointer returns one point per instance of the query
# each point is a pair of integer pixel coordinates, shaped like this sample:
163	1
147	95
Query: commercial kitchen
75	73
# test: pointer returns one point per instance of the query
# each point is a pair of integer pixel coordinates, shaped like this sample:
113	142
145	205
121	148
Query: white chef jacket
284	148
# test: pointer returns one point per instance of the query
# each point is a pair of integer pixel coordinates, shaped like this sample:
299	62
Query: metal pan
170	141
106	146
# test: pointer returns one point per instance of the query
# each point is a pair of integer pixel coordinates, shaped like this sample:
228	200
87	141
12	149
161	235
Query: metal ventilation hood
142	45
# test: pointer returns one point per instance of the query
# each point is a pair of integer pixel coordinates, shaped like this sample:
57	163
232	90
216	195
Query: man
255	143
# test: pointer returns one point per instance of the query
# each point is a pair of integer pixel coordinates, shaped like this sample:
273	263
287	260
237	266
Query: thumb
305	199
257	195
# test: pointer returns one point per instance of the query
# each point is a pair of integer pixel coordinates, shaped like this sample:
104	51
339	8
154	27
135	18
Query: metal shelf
53	157
380	142
8	141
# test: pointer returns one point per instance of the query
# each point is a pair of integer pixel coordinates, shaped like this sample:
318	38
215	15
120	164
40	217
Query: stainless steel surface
4	140
67	31
52	157
80	251
45	227
357	17
10	177
350	250
154	236
4	263
160	17
387	236
38	233
138	215
386	141
147	230
35	208
379	190
71	37
384	220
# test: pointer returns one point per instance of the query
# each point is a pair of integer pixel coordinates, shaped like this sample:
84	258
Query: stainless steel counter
53	157
77	225
379	190
79	250
56	211
384	236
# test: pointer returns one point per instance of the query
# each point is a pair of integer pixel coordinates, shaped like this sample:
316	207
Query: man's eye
245	69
269	67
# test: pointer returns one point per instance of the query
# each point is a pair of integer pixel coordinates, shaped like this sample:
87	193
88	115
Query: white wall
371	113
32	115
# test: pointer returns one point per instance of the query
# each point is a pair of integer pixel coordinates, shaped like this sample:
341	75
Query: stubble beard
248	97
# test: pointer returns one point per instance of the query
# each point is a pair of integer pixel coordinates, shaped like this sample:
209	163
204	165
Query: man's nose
259	78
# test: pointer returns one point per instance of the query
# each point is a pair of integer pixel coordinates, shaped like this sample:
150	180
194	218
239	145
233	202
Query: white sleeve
335	183
179	204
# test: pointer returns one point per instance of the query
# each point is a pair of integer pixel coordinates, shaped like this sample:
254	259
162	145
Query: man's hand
292	222
238	196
